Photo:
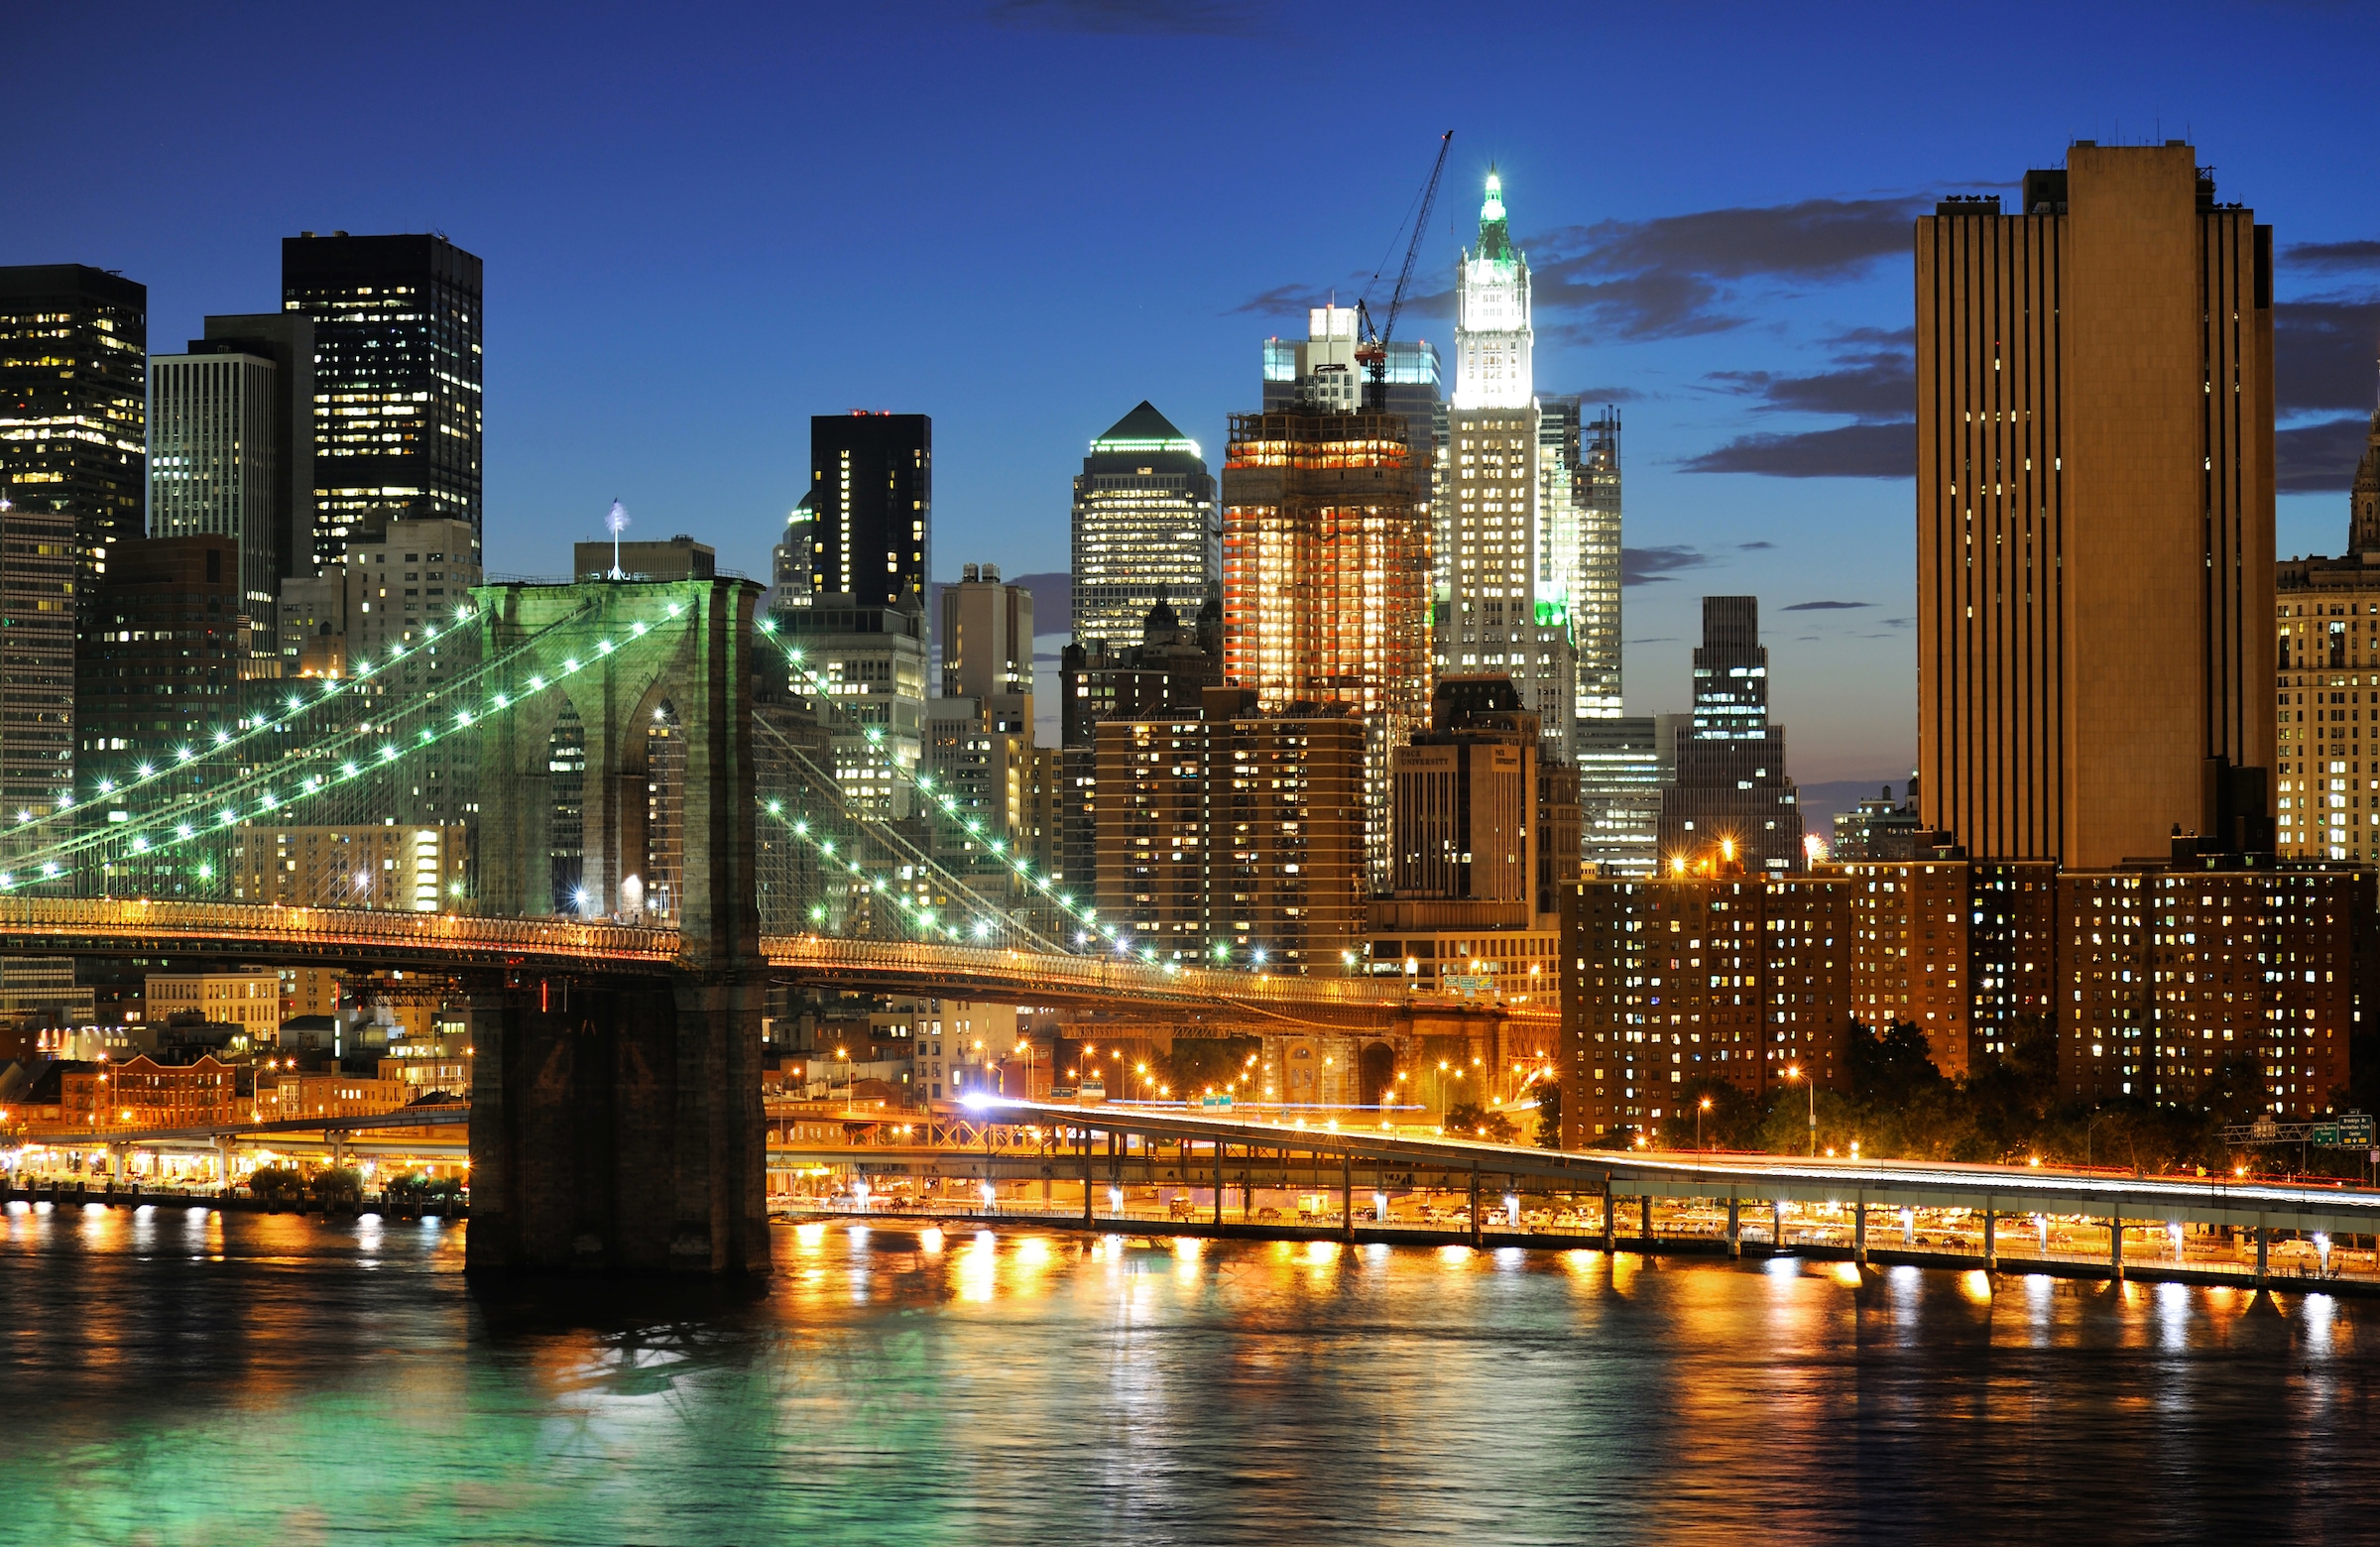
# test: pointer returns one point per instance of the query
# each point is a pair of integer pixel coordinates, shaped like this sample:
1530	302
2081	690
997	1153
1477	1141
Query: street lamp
1794	1072
1700	1108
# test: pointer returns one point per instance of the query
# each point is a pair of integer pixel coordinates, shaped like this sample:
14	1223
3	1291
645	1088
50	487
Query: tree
1731	1121
1549	1114
1891	1069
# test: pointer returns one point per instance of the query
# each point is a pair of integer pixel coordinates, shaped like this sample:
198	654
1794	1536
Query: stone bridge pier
616	1122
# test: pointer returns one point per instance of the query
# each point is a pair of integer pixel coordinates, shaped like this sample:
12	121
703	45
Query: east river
188	1377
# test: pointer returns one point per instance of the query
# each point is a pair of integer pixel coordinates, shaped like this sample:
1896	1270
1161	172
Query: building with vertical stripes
2095	513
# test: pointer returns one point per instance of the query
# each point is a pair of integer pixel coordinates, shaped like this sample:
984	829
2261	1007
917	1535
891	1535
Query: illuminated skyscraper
1507	606
1326	578
74	471
1143	526
396	379
1730	799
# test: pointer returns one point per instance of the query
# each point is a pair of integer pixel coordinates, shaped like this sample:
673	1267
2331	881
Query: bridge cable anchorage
943	804
260	793
892	838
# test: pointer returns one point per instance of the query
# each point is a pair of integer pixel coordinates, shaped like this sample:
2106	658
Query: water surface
182	1377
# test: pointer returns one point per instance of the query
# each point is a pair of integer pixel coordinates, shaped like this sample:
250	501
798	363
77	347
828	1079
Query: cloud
1900	623
2319	458
1753	547
1148	18
1824	606
1676	276
2323	353
1595	395
1873	380
1646	565
1846	451
1657	639
1281	300
2336	255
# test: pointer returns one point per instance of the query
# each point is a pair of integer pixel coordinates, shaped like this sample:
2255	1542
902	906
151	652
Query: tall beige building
2094	512
2326	787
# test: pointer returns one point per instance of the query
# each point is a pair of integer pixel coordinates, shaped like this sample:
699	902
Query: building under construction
1326	574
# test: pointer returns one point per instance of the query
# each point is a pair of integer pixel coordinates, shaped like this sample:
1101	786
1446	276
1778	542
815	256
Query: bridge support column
1644	1205
1219	1184
2115	1247
1085	1176
623	1135
1991	1244
1347	1199
1777	1226
1735	1227
1859	1232
1611	1235
2262	1262
1474	1205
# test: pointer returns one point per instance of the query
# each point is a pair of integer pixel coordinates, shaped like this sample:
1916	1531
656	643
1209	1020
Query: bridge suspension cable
275	793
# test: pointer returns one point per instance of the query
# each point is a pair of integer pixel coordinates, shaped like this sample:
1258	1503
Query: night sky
703	226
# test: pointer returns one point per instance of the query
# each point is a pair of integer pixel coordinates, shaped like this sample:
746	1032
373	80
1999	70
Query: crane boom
1374	351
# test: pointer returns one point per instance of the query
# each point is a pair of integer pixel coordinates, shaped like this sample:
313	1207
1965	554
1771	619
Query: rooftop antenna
616	521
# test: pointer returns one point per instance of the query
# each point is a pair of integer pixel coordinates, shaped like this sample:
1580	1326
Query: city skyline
1737	276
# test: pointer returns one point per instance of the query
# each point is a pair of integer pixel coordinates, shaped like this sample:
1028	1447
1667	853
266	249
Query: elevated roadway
269	934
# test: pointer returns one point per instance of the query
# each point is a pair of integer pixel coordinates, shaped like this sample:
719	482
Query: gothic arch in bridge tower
699	665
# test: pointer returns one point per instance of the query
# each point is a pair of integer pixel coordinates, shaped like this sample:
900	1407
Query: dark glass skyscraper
397	378
868	521
1730	799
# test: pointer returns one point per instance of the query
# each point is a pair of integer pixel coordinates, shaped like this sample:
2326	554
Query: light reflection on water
185	1377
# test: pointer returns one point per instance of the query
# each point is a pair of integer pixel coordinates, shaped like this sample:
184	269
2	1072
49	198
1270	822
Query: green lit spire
1496	239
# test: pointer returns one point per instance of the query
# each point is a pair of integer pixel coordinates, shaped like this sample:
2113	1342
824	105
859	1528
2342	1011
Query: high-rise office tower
1506	609
216	447
1730	799
396	379
1619	794
1143	526
871	659
2095	513
73	475
1594	590
868	521
2327	798
987	637
1326	579
286	338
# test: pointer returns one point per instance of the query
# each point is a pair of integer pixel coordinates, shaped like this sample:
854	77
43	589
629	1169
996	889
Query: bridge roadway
276	935
1290	1156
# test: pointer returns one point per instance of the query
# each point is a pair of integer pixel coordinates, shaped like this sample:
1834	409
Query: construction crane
1372	352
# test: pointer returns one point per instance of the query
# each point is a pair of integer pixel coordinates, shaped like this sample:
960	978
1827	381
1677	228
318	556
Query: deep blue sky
703	226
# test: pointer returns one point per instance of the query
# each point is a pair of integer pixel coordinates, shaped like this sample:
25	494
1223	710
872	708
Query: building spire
1495	236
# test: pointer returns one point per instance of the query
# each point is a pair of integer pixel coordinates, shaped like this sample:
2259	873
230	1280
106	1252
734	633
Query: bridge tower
616	1125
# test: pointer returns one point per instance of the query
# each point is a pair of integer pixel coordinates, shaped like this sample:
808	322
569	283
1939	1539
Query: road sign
2325	1135
2355	1129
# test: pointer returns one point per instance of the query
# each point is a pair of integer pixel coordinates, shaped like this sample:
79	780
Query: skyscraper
2327	802
1326	579
1505	608
1143	526
286	338
73	475
214	468
396	379
1594	595
1730	800
868	521
2095	513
